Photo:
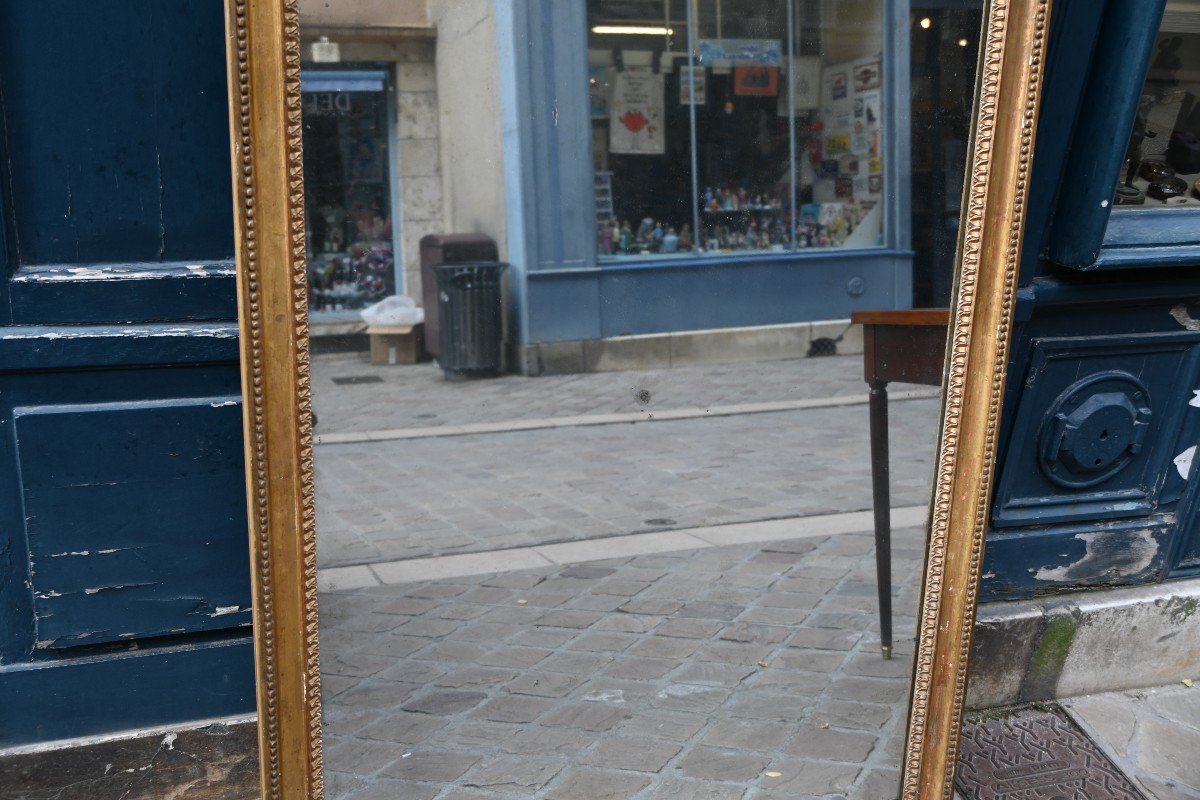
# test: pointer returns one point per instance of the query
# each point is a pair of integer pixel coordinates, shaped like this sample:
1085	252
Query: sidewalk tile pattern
394	500
682	675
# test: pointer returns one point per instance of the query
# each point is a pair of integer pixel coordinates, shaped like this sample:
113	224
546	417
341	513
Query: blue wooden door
124	574
1094	486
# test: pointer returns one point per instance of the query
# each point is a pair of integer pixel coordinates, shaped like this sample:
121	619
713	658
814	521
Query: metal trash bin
471	319
447	248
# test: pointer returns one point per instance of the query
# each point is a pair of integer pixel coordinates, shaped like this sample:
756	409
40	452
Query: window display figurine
604	238
626	242
335	228
685	238
670	240
644	232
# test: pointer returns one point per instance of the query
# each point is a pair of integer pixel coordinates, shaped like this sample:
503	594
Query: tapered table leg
881	494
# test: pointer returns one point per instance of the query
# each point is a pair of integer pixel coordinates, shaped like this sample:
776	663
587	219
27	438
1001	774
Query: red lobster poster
636	112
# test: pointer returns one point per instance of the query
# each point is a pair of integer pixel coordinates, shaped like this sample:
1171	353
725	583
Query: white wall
469	104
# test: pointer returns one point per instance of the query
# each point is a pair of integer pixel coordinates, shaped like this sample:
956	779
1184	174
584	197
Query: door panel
103	560
124	569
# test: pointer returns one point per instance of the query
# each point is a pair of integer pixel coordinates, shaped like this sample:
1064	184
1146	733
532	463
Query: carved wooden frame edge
263	52
1008	95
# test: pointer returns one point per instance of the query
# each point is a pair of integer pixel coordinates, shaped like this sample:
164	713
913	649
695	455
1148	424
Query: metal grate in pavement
1035	754
353	380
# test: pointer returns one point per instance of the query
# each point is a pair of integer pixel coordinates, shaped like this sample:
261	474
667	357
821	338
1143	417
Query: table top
909	316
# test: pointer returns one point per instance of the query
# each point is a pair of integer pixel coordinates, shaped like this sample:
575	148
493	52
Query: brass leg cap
887	652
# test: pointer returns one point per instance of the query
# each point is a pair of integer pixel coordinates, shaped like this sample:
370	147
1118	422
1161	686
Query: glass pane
580	537
743	136
1162	164
347	191
944	43
641	141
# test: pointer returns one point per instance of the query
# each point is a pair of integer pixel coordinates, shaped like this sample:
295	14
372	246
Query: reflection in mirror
617	540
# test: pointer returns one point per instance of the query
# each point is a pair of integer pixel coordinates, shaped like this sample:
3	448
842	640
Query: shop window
1162	162
348	191
723	127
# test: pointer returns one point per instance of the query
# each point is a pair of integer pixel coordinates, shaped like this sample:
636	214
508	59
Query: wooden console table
907	346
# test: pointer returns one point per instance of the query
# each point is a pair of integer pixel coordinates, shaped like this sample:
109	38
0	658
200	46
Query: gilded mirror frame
266	130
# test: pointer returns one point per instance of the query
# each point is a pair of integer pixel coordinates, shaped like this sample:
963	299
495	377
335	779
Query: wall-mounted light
325	51
963	42
634	30
925	23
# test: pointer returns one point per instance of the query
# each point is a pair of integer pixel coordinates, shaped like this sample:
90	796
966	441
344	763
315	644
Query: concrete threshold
624	418
1085	643
412	570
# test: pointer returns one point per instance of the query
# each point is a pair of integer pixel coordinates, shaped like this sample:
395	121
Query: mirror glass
1162	164
599	479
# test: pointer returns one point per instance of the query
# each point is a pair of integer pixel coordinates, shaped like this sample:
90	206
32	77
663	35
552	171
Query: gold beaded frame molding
263	47
264	80
1007	98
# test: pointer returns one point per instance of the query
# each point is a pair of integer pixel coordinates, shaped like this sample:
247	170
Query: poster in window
837	84
685	90
598	91
868	75
806	71
756	81
636	112
867	110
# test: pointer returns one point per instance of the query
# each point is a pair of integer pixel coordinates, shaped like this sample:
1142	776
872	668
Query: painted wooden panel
110	126
1064	558
135	518
139	688
1096	429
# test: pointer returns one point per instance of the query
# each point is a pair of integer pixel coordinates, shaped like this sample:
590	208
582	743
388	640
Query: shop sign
742	52
326	104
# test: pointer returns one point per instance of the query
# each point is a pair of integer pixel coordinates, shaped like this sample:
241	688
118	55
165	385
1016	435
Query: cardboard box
397	344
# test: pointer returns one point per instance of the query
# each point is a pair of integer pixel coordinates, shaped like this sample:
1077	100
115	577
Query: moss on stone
1046	663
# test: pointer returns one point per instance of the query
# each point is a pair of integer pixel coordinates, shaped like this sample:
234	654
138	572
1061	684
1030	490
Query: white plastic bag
394	310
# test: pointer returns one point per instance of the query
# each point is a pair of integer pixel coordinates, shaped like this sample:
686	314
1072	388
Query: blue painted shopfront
558	287
124	576
1094	484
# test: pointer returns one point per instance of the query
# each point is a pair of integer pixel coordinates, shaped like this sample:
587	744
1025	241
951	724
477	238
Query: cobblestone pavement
750	671
1152	734
418	397
382	501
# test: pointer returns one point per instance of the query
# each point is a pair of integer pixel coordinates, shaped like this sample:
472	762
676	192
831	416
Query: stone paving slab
385	501
686	674
1153	735
416	396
